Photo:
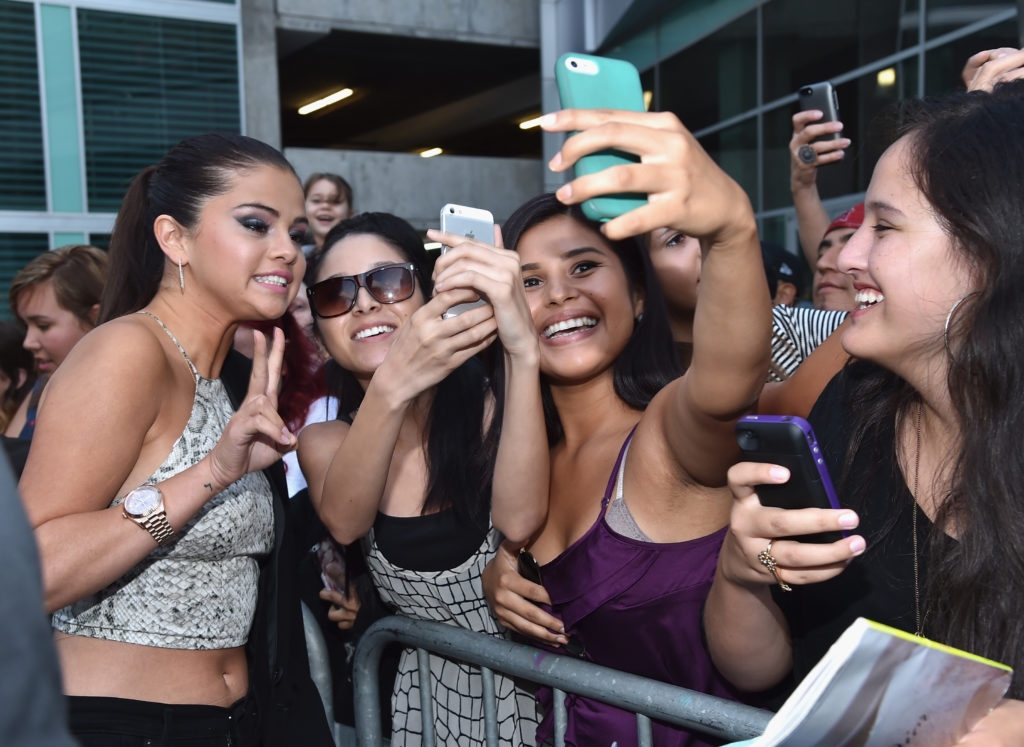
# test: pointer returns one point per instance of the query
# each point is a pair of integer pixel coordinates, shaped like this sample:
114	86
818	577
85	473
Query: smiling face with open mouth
906	273
326	207
580	299
360	338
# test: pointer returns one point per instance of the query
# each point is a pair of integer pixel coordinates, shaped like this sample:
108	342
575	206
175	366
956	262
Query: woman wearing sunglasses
417	465
639	453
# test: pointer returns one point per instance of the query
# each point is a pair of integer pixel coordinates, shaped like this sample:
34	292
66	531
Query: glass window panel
101	240
147	83
16	250
773	229
944	16
806	41
23	186
714	79
735	150
943	65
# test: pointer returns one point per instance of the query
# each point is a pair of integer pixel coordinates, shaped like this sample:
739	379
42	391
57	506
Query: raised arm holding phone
638	453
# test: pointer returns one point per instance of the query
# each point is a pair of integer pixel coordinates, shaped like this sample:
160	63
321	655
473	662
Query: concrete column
561	30
261	115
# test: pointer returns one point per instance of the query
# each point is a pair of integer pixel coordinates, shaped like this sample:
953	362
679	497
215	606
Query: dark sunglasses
529	569
386	284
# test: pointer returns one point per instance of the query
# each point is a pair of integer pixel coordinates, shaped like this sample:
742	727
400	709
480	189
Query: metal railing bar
656	700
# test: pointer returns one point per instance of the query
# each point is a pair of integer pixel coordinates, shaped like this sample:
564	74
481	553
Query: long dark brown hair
967	158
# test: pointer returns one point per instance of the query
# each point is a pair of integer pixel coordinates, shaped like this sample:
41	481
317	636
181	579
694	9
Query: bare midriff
112	669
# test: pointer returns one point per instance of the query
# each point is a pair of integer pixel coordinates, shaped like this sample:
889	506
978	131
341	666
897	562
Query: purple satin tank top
635	606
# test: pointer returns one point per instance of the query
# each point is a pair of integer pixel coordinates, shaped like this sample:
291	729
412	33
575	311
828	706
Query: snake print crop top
199	591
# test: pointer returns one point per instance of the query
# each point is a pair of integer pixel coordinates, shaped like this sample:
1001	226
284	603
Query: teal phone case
590	82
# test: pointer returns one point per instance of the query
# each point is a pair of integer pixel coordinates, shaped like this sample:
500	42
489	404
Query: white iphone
473	223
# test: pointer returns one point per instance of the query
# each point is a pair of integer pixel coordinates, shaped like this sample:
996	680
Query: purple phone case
789	441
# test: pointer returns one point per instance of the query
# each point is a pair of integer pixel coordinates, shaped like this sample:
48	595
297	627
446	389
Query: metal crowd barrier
648	698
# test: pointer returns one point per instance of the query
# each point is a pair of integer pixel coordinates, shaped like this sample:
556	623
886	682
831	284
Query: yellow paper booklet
879	686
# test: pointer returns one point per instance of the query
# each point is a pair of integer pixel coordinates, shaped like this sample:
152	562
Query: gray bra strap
174	339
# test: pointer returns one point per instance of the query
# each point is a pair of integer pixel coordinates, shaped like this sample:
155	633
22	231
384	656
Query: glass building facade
730	70
93	90
90	93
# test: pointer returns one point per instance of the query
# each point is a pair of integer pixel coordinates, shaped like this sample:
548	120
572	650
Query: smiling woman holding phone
639	452
418	462
921	434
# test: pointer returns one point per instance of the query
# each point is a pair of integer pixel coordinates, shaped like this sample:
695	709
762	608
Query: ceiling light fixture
319	104
430	152
887	77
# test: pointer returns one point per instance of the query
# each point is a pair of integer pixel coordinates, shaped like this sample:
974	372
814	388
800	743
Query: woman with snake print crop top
154	520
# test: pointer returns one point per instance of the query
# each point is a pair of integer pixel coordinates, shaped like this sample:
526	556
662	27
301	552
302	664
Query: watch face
142	500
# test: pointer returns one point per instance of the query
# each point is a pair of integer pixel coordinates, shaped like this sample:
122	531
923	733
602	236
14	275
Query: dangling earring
639	317
181	276
949	319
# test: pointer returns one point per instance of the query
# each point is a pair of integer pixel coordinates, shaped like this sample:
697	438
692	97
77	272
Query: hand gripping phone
588	82
789	441
333	571
820	96
473	223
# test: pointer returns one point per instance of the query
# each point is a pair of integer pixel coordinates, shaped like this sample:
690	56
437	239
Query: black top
879	584
289	705
434	542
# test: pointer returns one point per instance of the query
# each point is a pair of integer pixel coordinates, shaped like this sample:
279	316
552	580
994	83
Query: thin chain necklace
917	468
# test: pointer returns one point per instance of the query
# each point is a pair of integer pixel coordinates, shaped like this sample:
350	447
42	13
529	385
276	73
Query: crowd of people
559	463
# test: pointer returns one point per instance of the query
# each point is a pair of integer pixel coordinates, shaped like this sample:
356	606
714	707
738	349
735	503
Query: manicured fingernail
547	120
564	193
556	162
779	473
857	545
848	520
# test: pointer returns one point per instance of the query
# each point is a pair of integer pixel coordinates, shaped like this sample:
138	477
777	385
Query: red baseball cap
852	218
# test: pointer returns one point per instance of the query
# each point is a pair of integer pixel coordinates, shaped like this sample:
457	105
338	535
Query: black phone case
821	96
789	441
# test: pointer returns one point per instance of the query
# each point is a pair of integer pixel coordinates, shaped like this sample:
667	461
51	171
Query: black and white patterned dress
455	597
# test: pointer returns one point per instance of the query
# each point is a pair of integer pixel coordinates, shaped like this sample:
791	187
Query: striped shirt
796	332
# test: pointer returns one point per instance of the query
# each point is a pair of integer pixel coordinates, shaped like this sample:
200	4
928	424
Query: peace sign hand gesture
256	436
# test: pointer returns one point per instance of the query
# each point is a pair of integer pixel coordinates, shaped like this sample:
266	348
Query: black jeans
119	722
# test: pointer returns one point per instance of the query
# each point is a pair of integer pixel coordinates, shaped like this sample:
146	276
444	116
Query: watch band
158	526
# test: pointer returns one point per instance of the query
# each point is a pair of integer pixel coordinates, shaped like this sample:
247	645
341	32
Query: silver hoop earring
949	319
181	276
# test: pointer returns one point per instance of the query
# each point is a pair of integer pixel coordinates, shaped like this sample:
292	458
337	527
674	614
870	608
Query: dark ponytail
136	259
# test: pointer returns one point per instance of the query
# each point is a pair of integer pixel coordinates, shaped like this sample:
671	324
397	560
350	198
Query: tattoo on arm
208	486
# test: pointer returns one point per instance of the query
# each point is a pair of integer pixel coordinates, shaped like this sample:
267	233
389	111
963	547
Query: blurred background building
93	90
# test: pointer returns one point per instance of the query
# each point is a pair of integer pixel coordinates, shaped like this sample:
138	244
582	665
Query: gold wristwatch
145	506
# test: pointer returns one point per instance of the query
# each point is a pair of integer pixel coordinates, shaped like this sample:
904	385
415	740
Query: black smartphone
789	441
821	96
529	569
